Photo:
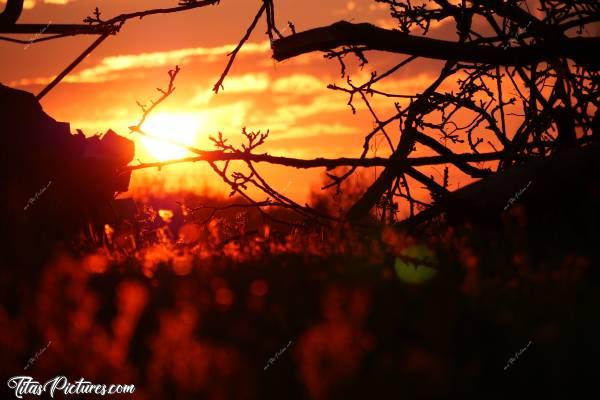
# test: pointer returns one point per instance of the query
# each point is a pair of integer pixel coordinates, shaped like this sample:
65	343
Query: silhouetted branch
183	6
154	103
421	106
344	33
327	163
34	40
234	53
112	26
537	48
72	66
554	78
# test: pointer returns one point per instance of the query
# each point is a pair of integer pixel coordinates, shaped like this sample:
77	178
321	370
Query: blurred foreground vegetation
190	308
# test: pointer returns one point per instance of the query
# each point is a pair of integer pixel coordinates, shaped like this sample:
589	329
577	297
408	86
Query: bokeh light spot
259	288
413	272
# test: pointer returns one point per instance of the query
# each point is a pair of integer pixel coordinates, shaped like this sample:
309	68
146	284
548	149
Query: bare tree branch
344	33
327	163
154	103
113	26
233	54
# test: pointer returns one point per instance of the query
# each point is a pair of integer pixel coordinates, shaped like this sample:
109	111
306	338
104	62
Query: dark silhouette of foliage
526	83
547	64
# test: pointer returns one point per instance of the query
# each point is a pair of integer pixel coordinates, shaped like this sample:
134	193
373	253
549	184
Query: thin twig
233	54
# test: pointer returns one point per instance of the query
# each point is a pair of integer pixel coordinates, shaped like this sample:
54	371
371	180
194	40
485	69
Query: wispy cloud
298	84
312	130
27	4
113	67
246	83
318	105
30	4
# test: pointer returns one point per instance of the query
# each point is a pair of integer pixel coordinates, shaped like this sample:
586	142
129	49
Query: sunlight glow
180	128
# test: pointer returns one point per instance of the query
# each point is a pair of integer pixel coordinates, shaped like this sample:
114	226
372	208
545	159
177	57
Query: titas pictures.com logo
26	385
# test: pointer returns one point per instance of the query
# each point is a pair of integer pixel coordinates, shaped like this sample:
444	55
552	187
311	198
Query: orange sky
290	98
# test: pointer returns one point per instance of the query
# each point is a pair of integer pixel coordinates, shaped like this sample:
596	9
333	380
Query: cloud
415	84
312	130
246	83
163	58
111	68
27	4
318	105
30	4
295	84
234	84
298	84
203	97
348	8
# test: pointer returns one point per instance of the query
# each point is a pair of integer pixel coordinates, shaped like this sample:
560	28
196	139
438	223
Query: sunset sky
289	98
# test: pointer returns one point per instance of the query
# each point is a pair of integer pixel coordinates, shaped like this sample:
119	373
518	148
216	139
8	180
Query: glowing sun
179	128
